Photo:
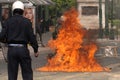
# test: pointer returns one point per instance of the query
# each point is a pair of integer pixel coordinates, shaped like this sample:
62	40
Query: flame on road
73	53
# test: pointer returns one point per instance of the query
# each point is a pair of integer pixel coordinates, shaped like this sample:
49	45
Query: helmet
17	5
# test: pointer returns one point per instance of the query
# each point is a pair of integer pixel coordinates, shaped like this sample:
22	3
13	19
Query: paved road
111	62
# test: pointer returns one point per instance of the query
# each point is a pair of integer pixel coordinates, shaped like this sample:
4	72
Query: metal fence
112	22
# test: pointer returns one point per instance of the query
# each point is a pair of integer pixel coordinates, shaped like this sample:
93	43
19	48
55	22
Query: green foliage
116	22
113	31
60	6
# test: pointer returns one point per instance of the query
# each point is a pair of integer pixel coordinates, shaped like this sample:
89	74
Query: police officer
18	32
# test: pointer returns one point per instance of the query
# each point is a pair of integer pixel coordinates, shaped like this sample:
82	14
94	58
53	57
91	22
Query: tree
60	6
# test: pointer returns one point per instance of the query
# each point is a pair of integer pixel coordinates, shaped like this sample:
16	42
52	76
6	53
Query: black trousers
19	56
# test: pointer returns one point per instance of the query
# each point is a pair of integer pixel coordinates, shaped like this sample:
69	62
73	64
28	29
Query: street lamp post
100	20
106	19
111	30
0	12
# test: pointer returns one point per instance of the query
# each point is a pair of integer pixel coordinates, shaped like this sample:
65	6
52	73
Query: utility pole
100	20
0	18
0	12
106	19
111	30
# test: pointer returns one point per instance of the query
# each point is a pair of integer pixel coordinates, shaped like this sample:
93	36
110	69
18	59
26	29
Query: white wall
92	21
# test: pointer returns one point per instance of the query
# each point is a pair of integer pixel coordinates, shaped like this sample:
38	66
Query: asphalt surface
111	62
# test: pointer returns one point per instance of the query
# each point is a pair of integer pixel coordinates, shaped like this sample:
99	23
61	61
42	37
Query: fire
73	53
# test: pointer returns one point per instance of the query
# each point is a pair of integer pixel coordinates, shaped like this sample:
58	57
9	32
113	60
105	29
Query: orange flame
71	52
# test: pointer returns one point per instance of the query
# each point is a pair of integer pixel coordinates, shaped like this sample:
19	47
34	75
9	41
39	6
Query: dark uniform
18	32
